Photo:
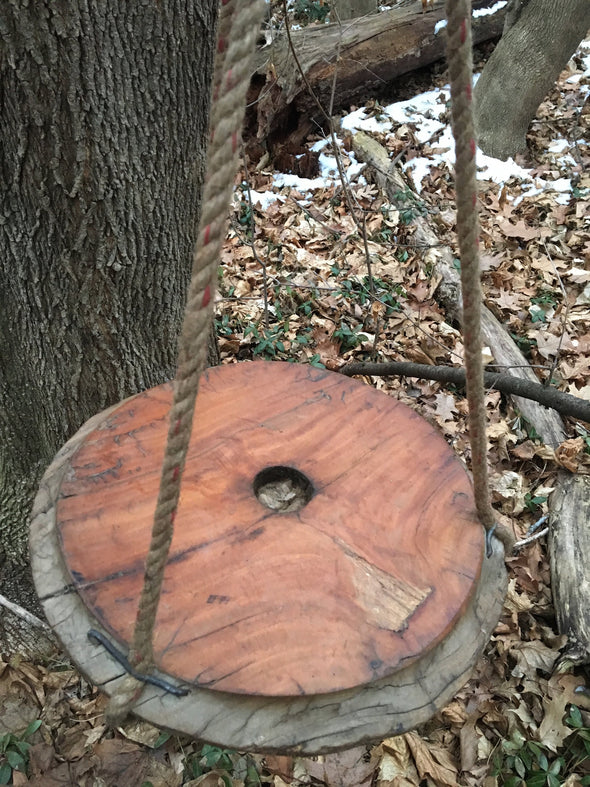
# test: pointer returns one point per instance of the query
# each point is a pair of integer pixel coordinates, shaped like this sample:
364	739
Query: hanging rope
460	73
238	25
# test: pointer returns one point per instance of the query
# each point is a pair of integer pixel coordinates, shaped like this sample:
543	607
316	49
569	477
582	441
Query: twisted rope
237	31
460	73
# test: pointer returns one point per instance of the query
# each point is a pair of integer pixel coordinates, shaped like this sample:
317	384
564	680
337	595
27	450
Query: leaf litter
297	238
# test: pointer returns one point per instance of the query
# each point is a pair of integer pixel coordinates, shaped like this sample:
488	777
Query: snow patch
479	12
424	113
558	146
359	121
264	198
282	179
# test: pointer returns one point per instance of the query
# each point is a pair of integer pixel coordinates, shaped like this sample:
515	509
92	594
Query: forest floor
297	240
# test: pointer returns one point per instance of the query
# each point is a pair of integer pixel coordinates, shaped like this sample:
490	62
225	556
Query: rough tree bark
351	9
105	112
539	38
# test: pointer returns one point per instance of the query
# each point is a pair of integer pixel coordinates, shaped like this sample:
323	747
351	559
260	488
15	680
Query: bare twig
349	196
23	614
252	245
529	539
563	321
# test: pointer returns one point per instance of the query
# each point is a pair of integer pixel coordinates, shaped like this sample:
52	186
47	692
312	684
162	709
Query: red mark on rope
229	80
234	141
468	92
175	473
474	199
221	45
463	31
177	426
472	147
224	2
206	234
206	297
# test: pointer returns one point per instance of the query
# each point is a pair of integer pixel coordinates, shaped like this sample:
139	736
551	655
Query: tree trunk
102	149
351	9
360	58
539	39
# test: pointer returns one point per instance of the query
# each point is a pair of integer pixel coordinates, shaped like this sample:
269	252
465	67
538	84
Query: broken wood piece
569	542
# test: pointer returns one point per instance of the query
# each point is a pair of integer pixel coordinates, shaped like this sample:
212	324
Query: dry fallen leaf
560	693
531	656
509	488
396	767
520	230
341	769
469	740
432	761
567	453
211	779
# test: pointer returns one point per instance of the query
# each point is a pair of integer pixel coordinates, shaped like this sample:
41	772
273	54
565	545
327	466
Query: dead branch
564	403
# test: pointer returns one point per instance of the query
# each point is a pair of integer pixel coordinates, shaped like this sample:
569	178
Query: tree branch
564	403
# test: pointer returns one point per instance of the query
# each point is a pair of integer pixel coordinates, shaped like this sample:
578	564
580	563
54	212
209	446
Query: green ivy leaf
538	779
555	766
23	747
16	760
575	717
32	728
162	738
5	773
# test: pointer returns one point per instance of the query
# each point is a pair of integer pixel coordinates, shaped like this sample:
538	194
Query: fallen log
440	260
365	54
569	505
569	540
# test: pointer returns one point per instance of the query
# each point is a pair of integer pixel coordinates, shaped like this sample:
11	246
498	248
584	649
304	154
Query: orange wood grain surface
368	575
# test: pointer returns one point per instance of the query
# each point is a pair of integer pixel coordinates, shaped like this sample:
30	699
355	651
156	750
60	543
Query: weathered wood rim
312	723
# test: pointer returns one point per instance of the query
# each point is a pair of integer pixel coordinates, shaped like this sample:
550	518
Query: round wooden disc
367	576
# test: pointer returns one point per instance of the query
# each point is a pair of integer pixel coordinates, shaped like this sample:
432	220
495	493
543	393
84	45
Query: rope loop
459	57
238	25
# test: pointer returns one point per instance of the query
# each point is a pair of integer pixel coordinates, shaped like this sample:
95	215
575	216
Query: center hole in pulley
283	489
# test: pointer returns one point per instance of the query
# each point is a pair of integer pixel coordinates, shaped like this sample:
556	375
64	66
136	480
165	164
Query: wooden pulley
327	581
